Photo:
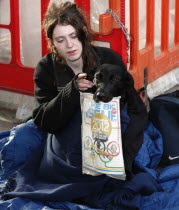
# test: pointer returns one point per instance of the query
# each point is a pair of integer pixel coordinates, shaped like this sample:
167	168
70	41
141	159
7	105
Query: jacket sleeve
56	108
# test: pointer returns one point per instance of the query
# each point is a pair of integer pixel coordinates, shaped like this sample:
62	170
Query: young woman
54	173
57	79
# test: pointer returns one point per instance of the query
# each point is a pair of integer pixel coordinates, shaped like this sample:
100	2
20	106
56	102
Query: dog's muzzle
101	96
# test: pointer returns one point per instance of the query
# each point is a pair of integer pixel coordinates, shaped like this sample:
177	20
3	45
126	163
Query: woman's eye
60	41
74	37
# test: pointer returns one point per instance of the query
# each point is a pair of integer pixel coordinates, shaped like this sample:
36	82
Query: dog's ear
129	80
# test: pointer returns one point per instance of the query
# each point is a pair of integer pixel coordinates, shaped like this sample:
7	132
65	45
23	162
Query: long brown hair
70	14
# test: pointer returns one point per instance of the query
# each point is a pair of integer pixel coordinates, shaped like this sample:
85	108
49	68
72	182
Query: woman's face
67	43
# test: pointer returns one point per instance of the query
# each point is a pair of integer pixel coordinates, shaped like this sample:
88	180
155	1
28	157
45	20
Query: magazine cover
101	137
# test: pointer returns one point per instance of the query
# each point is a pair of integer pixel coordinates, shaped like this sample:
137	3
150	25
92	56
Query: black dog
112	81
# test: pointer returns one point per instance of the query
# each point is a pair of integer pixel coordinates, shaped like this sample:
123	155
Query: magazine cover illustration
101	137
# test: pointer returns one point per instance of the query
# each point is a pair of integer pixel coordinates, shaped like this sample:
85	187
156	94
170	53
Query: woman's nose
69	43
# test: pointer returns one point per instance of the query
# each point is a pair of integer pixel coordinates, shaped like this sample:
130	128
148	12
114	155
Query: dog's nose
101	96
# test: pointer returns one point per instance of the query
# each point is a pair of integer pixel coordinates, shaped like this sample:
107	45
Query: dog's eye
98	76
115	79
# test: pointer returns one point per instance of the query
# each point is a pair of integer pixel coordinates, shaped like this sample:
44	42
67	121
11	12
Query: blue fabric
54	173
151	150
147	160
4	137
26	204
18	146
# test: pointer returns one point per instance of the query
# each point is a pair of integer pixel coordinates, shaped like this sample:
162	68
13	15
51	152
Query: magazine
101	137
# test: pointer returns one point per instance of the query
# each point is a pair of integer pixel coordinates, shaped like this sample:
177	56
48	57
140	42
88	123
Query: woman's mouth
71	52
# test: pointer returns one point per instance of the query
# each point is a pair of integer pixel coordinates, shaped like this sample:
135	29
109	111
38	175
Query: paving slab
7	119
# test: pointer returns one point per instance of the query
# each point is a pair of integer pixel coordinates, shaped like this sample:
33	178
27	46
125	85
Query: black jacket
59	99
56	93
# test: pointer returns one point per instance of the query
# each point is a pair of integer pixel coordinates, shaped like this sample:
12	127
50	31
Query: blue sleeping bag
22	141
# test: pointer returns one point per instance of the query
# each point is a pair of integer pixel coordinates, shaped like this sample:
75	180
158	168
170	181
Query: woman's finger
82	83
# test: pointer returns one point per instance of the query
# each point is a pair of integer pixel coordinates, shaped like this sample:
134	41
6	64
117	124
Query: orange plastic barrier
105	24
110	31
168	58
115	5
18	78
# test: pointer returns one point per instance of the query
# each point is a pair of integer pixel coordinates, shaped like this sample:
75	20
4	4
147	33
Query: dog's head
111	81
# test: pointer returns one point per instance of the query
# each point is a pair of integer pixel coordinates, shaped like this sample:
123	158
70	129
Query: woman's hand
82	83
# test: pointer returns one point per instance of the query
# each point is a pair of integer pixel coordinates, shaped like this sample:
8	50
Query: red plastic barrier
14	76
168	58
18	78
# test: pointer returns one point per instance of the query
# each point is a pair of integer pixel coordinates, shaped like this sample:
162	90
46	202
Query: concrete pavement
7	119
